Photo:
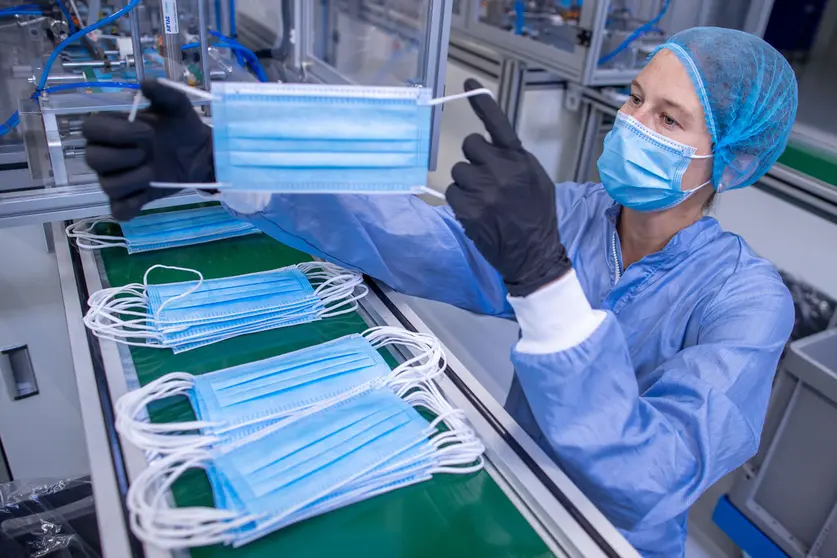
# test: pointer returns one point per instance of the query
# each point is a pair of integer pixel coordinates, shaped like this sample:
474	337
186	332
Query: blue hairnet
749	94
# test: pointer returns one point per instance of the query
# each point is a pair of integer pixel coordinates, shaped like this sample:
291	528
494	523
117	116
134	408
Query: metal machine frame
56	190
567	521
580	65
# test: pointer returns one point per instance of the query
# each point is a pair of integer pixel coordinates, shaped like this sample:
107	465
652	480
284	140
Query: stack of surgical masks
190	314
319	442
158	231
235	402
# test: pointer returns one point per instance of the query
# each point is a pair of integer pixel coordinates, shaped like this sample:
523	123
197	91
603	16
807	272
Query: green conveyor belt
819	165
447	516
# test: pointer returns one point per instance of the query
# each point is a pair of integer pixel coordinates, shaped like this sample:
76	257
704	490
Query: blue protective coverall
666	396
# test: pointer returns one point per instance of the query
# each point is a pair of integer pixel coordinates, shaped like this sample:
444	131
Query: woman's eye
635	100
669	121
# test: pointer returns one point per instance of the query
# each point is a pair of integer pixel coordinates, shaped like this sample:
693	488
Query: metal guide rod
136	44
204	39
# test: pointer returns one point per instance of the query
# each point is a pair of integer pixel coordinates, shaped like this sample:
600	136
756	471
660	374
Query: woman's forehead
664	78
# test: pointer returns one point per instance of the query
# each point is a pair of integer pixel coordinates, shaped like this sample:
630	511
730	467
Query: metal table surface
521	505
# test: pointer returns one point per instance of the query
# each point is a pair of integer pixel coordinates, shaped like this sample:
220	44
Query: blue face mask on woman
643	170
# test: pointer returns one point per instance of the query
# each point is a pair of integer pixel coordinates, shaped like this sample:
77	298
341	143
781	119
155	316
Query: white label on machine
170	17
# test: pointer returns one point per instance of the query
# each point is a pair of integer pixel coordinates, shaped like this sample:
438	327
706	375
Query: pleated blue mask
364	446
643	170
285	473
189	314
158	231
234	405
279	386
318	138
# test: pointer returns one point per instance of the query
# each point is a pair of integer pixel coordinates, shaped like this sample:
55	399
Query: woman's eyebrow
683	113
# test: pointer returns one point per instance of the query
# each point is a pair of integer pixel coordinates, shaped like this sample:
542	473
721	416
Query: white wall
793	239
43	435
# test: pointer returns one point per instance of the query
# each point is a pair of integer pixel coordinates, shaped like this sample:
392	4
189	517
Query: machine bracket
584	37
572	97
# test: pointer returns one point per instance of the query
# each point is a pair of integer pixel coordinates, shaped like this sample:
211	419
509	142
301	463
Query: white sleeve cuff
556	317
245	203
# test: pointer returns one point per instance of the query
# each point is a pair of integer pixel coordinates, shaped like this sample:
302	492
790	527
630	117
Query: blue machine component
743	533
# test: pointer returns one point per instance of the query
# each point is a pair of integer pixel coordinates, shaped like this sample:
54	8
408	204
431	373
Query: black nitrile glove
166	143
506	203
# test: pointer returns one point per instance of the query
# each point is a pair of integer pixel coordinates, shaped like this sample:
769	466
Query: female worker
649	336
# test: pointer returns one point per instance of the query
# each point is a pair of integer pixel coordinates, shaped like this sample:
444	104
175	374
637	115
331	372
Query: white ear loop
86	239
107	308
153	522
471	93
335	287
184	294
160	438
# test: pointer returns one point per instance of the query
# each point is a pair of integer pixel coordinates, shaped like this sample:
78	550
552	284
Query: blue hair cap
749	94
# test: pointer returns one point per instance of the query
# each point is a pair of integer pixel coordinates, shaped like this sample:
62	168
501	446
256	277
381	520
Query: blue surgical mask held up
307	138
643	170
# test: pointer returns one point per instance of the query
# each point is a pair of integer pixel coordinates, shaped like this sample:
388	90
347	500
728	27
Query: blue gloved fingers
165	100
113	129
496	124
105	159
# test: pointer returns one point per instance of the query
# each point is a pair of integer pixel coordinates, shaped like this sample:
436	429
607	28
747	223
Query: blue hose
14	119
519	16
639	32
242	52
23	9
70	23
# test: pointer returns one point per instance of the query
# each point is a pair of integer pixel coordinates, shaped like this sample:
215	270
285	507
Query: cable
10	124
14	119
79	34
640	31
519	17
233	30
23	9
70	23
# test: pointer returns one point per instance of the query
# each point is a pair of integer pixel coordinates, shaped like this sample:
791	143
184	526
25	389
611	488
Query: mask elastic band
471	93
200	93
83	231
